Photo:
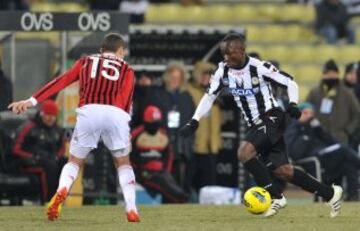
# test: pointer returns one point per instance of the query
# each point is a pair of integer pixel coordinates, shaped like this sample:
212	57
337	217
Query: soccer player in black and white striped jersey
248	80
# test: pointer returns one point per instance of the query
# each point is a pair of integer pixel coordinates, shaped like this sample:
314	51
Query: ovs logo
89	21
33	21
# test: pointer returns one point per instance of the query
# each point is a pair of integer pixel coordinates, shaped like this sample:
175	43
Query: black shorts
268	138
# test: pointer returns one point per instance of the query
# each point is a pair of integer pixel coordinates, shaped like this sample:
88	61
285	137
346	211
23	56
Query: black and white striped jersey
250	87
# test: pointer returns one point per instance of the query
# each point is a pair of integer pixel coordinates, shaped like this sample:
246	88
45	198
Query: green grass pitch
182	217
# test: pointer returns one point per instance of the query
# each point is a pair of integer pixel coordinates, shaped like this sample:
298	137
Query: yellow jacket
207	136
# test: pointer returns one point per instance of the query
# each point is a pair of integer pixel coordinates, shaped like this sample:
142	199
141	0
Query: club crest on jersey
243	92
255	80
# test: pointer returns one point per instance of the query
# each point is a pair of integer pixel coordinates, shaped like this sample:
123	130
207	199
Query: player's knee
79	162
285	172
121	161
246	151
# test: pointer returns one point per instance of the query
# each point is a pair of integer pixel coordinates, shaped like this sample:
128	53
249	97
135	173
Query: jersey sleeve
280	78
57	84
211	94
128	89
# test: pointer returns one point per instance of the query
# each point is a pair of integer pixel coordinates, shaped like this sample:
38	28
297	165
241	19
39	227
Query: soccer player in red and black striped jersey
106	89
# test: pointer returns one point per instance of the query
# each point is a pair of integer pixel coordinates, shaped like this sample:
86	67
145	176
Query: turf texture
182	217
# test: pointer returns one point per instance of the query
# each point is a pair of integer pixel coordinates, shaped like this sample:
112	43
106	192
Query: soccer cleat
334	202
276	205
132	216
55	204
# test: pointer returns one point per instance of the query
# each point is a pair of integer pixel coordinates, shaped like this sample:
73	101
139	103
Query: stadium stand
274	35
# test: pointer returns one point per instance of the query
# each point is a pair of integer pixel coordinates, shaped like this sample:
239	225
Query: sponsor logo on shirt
243	91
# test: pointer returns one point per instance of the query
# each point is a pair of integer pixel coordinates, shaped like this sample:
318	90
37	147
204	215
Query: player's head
307	112
113	43
152	119
232	48
48	112
331	75
351	74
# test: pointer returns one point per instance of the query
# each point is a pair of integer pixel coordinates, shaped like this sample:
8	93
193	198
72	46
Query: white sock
68	175
127	183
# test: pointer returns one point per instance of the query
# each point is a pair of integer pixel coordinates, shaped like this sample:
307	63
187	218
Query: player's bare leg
299	178
127	182
68	175
247	156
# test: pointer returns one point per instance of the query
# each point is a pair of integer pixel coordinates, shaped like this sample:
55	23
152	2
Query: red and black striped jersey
103	78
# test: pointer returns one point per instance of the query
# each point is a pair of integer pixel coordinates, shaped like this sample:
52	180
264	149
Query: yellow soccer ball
257	200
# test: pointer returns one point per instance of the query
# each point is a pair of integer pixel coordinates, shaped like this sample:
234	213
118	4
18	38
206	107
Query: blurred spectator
144	89
332	21
39	147
352	81
307	138
104	4
207	136
352	6
335	106
15	4
352	78
6	91
177	106
136	9
152	157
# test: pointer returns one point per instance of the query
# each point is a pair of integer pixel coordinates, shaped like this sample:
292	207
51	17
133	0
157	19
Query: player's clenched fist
20	106
189	128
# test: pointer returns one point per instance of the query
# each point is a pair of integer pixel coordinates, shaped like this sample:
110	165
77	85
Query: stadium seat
303	53
254	33
297	12
347	54
325	52
269	12
60	7
218	13
245	13
304	91
277	52
225	13
261	50
309	74
290	69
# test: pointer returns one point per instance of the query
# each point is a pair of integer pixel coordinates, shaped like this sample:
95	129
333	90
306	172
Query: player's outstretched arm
20	106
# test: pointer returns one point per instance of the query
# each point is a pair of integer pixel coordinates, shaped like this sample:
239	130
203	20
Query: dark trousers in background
48	171
340	163
204	170
163	183
182	173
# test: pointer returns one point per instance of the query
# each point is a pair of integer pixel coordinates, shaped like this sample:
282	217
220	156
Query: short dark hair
112	42
228	39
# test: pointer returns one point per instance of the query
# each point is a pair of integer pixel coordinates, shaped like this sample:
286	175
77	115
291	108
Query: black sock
310	184
262	176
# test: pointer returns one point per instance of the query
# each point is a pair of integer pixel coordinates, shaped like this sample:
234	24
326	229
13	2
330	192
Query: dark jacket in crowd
104	4
343	119
151	152
6	91
303	140
36	141
330	14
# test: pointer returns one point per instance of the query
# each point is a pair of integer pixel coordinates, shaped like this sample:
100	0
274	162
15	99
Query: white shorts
95	122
